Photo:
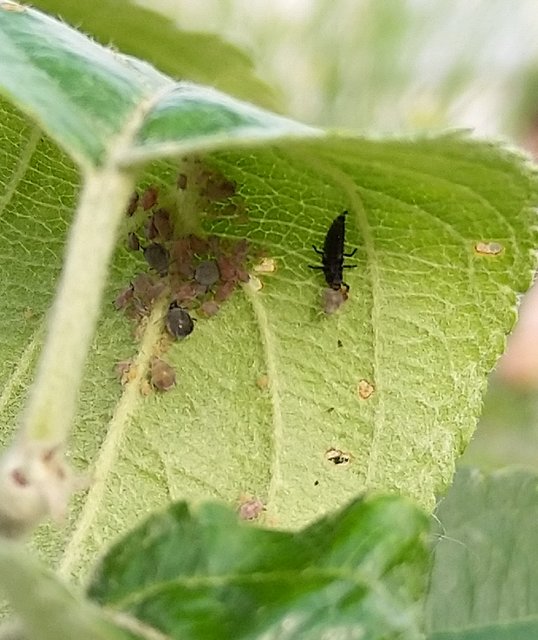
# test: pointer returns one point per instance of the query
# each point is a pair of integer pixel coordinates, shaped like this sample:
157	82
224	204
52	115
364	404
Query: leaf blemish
338	457
250	509
365	389
488	248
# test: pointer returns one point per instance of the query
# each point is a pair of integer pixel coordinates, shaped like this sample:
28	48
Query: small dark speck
340	343
316	483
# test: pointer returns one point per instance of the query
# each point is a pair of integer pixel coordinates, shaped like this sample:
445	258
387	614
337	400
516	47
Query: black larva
332	256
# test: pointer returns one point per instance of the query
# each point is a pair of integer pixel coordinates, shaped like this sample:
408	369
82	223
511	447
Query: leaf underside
427	316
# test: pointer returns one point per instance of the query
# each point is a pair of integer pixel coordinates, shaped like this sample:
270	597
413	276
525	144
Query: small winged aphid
332	256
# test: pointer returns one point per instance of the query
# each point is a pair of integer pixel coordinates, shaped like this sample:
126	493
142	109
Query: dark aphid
157	257
178	321
207	273
332	256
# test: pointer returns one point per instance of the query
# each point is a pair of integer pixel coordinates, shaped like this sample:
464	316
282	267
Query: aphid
157	257
332	256
178	321
209	308
149	197
133	243
162	375
207	273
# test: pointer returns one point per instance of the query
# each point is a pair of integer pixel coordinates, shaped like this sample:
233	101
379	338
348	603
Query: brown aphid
365	389
126	371
181	181
124	297
149	197
207	273
133	243
199	246
488	248
162	375
225	290
147	288
250	509
133	203
217	188
333	299
181	256
162	224
209	308
157	257
186	292
150	230
242	274
226	268
338	457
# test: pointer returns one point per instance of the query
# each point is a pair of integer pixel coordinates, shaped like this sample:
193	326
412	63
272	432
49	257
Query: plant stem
72	321
35	481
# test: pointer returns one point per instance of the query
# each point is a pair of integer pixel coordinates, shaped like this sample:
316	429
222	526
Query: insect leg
317	250
311	266
349	266
350	255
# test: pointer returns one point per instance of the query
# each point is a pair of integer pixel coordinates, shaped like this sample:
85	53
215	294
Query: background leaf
184	55
202	574
484	579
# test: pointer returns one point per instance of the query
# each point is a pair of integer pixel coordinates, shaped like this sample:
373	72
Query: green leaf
184	55
203	574
426	318
42	62
47	608
484	581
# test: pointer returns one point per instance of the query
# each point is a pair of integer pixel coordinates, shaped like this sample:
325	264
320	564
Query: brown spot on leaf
488	248
365	389
181	181
250	509
338	457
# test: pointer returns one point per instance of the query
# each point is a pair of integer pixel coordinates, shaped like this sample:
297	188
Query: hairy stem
74	315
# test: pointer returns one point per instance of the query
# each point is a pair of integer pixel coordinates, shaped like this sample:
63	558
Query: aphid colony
198	274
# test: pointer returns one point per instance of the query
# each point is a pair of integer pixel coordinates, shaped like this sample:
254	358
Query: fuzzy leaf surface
426	319
203	574
484	582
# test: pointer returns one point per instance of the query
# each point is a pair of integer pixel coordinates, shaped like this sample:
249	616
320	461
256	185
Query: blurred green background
377	67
